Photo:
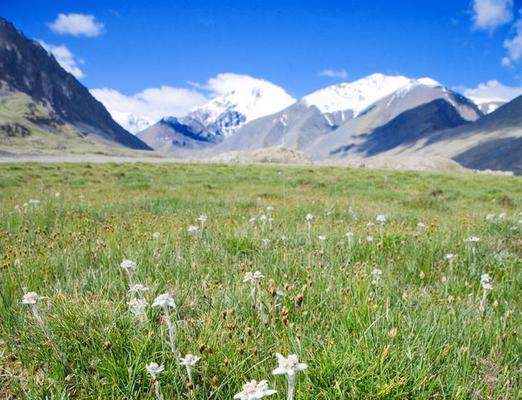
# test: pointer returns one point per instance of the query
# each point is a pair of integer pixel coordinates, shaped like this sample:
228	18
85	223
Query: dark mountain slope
26	67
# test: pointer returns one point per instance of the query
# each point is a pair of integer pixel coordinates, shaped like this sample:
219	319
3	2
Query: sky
164	54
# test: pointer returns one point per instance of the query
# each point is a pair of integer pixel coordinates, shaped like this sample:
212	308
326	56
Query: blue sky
149	44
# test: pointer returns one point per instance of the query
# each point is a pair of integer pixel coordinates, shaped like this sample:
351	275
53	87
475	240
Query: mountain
436	131
322	122
40	102
488	106
219	118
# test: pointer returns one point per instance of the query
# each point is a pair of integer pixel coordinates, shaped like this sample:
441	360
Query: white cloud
77	25
489	14
138	111
492	91
514	46
65	58
330	73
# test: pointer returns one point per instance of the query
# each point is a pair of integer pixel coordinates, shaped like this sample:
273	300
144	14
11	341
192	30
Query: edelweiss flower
490	217
269	209
309	217
153	369
288	365
450	257
156	235
202	218
138	289
322	238
472	239
263	218
192	229
31	298
254	390
164	300
189	360
128	265
381	219
137	306
253	277
34	202
485	281
57	195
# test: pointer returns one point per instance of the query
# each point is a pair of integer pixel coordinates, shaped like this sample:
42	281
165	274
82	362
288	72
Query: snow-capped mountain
331	117
228	112
356	96
221	117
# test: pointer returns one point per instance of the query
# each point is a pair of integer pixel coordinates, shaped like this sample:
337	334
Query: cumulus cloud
514	46
138	111
331	73
77	25
65	58
489	14
229	82
492	91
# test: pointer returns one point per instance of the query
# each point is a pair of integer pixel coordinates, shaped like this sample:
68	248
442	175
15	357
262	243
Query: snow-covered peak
247	99
359	95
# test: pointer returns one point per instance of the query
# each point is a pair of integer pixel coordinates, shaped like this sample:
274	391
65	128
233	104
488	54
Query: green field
417	333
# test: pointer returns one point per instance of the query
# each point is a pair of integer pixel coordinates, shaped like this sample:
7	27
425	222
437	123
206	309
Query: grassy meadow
422	328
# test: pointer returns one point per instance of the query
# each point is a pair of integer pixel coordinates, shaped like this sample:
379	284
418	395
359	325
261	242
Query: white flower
502	216
490	217
376	274
252	220
381	218
270	209
164	300
288	365
265	241
189	360
137	306
254	391
263	218
31	298
370	225
202	218
309	217
253	277
349	235
128	265
34	202
153	369
156	235
138	288
472	239
450	257
369	238
421	225
485	281
322	238
284	238
57	195
192	229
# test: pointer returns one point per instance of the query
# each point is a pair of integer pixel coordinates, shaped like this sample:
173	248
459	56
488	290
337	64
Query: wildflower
34	202
254	390
322	238
263	218
202	219
254	279
138	307
309	219
156	235
192	229
32	299
473	239
165	301
57	195
376	274
154	369
269	209
369	238
381	219
421	226
289	366
189	361
138	289
252	220
129	267
485	281
490	217
502	216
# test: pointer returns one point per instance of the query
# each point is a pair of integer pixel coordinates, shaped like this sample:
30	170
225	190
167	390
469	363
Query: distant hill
44	107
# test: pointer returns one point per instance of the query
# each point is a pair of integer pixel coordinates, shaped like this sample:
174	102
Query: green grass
419	334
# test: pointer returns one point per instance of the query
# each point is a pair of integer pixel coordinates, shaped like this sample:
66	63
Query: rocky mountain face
27	68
